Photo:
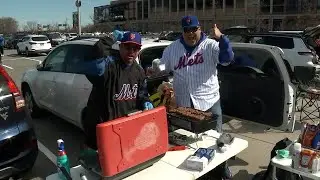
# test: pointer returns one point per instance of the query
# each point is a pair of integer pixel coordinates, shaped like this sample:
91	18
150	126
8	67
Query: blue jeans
217	114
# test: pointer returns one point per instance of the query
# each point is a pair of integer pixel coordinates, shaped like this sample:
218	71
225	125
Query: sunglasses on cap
190	29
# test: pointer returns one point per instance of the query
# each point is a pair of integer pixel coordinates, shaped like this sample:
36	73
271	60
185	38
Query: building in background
101	14
160	15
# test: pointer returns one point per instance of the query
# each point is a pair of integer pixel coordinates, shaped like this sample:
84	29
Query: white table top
286	164
156	172
171	165
177	158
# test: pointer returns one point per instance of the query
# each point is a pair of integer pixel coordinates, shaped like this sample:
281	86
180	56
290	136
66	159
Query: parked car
236	33
18	142
70	36
55	38
296	51
170	36
54	81
55	87
238	30
34	44
12	42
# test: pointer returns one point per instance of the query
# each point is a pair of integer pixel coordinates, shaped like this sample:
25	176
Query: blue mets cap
131	37
190	21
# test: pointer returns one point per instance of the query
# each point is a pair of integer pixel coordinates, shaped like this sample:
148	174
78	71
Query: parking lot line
31	59
7	66
12	59
47	153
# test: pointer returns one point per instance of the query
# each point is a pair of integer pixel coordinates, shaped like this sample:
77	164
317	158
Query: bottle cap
297	146
60	144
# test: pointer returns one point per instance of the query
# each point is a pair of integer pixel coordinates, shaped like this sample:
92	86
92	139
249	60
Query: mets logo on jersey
188	60
132	36
127	93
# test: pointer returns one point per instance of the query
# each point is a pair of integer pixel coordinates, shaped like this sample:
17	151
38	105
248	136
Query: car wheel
31	105
18	51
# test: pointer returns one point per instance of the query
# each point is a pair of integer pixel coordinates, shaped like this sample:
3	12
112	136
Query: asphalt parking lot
50	128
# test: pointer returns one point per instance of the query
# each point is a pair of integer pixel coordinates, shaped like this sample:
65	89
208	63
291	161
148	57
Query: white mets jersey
195	74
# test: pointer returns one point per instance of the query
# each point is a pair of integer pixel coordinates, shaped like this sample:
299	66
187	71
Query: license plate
41	44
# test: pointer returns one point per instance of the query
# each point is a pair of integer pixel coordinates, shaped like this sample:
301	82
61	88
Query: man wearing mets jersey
193	59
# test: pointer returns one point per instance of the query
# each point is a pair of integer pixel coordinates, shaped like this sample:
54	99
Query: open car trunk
312	37
257	93
260	93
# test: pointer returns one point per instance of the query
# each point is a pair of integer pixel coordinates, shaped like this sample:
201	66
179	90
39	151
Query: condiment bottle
296	151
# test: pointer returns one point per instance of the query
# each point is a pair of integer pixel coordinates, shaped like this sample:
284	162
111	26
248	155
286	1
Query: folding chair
307	93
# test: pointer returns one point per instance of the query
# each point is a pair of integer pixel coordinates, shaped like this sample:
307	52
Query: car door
74	87
146	57
260	94
45	81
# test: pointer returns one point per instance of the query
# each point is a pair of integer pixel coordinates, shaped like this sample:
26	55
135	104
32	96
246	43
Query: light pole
78	5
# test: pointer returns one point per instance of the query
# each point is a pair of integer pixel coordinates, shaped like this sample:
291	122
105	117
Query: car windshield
40	38
73	34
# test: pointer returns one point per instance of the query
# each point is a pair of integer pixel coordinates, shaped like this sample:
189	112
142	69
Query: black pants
1	49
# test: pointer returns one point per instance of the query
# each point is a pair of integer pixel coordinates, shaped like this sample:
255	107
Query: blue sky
48	11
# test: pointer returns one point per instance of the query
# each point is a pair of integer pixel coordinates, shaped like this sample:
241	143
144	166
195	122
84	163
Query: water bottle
62	161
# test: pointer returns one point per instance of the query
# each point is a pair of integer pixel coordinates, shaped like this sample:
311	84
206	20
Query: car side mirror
39	67
304	74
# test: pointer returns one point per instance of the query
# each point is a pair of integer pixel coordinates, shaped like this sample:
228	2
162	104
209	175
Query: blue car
18	142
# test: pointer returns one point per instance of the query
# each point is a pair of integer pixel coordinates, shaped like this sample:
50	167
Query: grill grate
190	124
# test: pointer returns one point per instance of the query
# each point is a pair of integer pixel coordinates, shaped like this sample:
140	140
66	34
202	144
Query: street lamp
78	5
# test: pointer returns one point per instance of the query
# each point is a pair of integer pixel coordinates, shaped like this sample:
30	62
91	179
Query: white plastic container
296	150
196	163
315	165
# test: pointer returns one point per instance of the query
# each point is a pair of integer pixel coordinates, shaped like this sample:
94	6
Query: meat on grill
191	113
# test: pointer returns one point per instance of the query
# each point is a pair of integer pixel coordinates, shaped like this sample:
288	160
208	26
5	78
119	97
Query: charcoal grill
190	124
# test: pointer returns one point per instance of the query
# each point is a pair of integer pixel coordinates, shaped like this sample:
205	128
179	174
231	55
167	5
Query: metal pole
78	4
79	21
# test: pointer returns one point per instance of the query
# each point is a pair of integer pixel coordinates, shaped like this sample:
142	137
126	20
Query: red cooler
129	144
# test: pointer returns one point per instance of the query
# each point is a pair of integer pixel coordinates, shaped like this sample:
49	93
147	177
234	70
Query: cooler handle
134	113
